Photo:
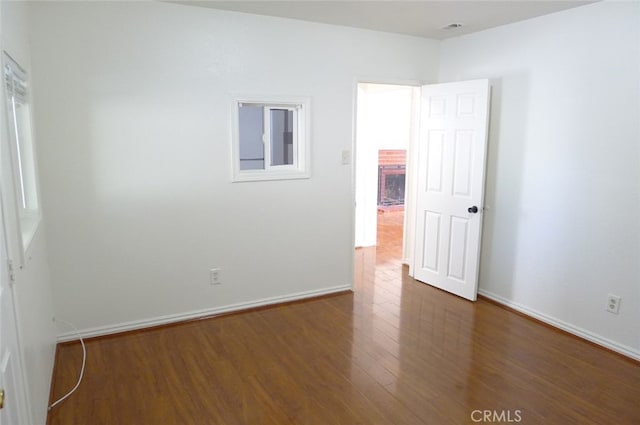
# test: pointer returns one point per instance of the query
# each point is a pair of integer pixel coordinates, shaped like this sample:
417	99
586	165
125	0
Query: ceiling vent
452	26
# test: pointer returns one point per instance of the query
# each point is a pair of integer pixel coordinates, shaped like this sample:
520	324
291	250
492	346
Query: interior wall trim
197	314
567	327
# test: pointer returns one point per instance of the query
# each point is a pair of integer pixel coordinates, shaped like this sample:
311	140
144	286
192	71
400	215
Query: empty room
198	225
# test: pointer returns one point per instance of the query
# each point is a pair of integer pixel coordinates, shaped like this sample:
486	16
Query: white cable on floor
84	361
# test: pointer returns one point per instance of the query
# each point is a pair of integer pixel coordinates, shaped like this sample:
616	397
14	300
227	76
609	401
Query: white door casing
12	378
450	183
12	412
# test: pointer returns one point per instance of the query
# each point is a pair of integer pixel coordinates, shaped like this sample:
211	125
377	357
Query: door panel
457	248
9	412
462	171
451	167
434	166
432	228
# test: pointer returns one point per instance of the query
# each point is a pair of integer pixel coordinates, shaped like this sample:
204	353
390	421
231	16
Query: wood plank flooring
394	352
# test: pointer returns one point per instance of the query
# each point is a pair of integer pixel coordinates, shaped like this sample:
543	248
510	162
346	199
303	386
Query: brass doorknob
1	398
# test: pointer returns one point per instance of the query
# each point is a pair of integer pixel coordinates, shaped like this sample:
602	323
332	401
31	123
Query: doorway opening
385	129
444	178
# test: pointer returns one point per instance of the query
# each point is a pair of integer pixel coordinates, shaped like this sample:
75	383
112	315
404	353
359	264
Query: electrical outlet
214	276
613	303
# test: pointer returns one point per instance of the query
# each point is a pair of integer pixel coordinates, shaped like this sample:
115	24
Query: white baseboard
582	333
173	318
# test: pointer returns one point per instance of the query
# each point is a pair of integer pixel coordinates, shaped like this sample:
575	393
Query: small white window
22	149
270	139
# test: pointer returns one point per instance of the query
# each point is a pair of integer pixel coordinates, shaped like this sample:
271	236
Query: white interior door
450	186
11	392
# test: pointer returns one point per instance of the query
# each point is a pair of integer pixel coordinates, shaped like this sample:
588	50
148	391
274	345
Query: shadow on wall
503	203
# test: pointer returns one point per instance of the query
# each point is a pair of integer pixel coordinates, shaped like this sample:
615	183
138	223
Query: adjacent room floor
396	351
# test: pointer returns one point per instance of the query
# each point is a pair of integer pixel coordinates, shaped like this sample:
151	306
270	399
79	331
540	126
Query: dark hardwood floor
394	352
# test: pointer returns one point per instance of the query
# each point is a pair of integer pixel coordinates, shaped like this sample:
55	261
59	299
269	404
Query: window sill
251	176
28	227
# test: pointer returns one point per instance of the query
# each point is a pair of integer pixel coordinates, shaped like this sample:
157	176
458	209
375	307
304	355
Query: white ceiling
418	18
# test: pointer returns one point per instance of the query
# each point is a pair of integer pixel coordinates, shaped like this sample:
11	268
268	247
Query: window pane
251	122
22	153
281	137
27	164
24	166
18	138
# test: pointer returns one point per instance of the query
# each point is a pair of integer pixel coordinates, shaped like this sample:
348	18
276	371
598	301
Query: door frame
410	179
411	166
11	248
19	396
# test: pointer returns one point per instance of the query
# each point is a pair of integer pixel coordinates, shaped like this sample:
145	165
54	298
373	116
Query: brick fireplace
391	179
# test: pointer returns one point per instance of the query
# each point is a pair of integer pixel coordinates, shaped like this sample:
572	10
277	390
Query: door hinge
12	274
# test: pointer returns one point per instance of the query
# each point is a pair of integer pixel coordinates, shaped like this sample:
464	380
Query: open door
450	186
11	391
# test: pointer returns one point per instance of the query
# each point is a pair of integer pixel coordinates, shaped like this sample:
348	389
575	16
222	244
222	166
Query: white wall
134	99
563	178
388	115
32	289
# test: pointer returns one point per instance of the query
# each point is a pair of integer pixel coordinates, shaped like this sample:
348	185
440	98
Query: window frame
301	139
22	154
